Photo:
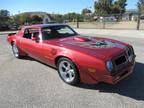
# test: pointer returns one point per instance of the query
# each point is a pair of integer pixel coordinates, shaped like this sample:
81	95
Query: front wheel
68	71
16	51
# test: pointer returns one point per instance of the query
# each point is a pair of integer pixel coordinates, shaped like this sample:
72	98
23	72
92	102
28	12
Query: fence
127	21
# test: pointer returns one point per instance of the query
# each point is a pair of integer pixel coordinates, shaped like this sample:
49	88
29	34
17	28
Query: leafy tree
80	17
120	6
25	18
58	18
103	7
4	17
16	19
86	11
73	17
22	19
140	5
36	19
5	13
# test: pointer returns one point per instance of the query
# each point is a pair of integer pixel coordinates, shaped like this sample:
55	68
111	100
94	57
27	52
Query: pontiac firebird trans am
78	58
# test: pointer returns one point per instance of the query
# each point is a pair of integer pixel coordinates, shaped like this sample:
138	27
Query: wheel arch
62	56
74	63
13	41
20	50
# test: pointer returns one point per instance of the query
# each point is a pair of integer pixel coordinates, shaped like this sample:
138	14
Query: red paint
80	51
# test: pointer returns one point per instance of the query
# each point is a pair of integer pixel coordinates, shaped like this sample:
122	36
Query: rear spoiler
11	34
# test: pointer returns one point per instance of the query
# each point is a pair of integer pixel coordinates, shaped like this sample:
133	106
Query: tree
36	19
103	7
140	5
80	18
118	8
22	19
58	18
73	17
5	13
4	19
25	18
120	5
4	16
86	11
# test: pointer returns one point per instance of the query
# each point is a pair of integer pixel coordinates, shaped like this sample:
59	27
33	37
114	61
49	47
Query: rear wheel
68	71
16	51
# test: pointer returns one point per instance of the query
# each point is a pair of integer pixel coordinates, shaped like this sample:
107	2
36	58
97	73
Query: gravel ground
26	83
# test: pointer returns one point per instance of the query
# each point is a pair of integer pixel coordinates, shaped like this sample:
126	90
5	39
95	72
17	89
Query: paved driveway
29	84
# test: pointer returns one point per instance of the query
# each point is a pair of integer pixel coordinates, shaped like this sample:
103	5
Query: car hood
94	46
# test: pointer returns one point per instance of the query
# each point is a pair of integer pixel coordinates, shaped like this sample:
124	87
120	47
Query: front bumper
120	75
114	78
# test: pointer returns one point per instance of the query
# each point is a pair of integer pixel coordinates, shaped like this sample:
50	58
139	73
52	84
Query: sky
52	6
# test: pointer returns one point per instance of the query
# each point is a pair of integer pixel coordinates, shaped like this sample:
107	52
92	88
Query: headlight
109	65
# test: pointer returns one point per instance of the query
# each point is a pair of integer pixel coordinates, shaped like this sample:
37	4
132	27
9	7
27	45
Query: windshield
58	31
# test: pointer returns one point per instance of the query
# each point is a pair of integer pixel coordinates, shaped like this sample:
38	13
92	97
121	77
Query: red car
77	58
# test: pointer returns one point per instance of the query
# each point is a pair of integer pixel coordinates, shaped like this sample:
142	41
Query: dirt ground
108	25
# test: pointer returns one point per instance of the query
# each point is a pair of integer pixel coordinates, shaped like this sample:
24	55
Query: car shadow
27	58
132	87
32	59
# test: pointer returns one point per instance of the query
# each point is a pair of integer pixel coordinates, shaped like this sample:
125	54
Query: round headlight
109	65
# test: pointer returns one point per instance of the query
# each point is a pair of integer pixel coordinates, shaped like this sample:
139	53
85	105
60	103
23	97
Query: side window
65	30
46	34
29	33
34	32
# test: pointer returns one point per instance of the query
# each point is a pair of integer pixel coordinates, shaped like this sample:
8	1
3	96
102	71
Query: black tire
16	51
76	77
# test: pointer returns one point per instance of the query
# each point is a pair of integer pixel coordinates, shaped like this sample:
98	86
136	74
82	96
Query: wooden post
138	22
77	23
104	22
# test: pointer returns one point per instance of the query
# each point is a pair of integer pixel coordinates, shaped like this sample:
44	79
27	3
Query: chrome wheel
67	72
15	50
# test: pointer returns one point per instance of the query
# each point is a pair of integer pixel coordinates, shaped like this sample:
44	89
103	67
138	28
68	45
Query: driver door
31	44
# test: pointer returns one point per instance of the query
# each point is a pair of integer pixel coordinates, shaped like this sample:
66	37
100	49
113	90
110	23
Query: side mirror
36	39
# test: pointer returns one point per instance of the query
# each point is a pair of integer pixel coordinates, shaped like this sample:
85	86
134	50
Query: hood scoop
99	43
94	43
81	39
103	44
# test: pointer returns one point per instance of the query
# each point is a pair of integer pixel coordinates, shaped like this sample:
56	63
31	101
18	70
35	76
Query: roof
43	25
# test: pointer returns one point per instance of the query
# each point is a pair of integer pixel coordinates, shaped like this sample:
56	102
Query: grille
120	60
123	60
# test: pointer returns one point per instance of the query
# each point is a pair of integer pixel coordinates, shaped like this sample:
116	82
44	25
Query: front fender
65	53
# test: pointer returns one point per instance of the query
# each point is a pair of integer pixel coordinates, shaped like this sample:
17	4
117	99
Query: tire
16	51
68	71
